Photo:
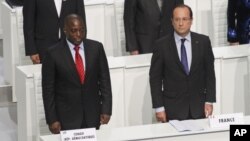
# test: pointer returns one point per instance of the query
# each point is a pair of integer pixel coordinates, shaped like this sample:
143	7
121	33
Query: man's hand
35	59
208	109
135	52
104	118
55	127
161	116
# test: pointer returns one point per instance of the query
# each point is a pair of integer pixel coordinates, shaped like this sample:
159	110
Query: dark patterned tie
79	64
184	60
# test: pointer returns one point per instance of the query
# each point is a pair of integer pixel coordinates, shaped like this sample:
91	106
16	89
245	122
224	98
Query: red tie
79	64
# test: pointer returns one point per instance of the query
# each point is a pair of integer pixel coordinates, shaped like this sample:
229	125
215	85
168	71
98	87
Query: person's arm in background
129	17
232	35
29	13
81	12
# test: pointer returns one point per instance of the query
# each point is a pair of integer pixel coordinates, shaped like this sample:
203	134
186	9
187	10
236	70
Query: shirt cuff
160	109
211	103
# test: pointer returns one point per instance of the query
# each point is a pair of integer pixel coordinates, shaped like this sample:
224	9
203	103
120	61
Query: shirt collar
72	46
178	37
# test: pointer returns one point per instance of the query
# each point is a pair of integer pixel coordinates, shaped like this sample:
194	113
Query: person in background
182	76
76	85
238	18
43	24
145	21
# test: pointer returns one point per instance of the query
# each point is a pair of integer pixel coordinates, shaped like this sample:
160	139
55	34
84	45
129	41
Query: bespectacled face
182	21
74	31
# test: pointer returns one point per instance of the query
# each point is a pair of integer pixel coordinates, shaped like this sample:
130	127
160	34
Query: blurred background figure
43	24
238	15
145	21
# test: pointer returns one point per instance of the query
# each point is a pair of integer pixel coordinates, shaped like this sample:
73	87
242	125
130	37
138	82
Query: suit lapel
164	7
155	5
53	6
68	59
195	51
62	8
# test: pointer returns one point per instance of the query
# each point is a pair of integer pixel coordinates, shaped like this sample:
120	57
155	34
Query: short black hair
183	6
70	17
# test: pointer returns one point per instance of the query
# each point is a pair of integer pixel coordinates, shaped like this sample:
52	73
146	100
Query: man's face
74	31
181	21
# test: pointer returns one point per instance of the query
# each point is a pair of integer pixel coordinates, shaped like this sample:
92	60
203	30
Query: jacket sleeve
48	88
81	12
210	74
105	83
129	17
156	77
29	16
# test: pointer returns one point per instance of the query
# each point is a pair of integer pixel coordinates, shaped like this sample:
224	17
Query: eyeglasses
177	20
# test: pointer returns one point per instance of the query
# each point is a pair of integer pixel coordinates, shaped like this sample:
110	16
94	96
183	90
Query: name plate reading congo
88	134
225	120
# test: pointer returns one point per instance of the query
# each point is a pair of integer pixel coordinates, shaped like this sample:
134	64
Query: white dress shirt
81	52
58	4
187	45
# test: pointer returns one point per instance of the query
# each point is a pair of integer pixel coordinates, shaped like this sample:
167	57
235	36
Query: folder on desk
185	125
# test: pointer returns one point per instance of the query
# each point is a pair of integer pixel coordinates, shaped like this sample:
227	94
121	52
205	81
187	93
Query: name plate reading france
225	120
88	134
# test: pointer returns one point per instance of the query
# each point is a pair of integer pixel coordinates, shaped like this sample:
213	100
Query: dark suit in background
145	22
238	17
42	23
182	95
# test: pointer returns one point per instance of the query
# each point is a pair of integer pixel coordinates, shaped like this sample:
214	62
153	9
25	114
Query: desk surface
152	131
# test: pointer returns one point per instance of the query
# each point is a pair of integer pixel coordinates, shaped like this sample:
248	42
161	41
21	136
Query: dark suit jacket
144	23
182	94
65	98
42	24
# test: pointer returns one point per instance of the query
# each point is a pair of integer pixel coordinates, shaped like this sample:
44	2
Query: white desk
159	132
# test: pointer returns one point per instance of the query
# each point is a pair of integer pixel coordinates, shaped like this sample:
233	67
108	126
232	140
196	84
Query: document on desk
185	125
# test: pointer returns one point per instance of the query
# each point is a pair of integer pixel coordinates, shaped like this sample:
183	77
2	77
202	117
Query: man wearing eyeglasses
182	76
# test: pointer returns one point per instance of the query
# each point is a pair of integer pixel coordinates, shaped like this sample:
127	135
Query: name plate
225	120
88	134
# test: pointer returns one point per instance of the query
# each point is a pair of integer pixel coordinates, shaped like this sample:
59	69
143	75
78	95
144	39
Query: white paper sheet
185	125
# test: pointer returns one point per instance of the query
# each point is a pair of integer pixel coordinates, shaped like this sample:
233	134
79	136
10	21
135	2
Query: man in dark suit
145	21
76	81
43	24
182	76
